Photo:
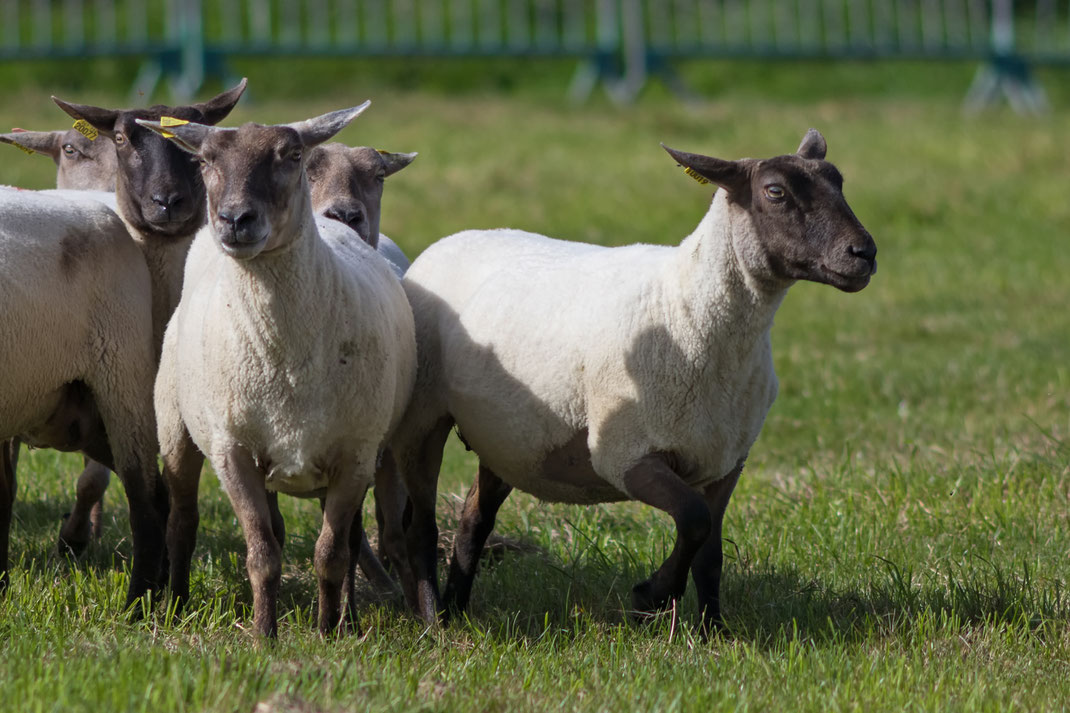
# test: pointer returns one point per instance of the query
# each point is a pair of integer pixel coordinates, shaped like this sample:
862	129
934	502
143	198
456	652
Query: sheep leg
8	459
333	560
653	482
706	567
477	521
140	479
390	495
419	464
278	525
84	522
182	473
244	483
370	564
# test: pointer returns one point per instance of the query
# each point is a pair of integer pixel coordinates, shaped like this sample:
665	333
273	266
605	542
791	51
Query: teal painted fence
619	42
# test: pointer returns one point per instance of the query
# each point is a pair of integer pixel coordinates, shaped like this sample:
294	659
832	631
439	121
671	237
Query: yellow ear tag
86	129
694	174
170	121
26	149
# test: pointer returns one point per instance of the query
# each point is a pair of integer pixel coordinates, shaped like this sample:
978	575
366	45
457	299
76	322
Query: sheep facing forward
288	362
586	374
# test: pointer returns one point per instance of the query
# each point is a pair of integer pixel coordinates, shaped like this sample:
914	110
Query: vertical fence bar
517	31
403	15
346	29
42	24
462	25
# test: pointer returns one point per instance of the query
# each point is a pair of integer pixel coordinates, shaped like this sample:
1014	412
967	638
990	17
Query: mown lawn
899	539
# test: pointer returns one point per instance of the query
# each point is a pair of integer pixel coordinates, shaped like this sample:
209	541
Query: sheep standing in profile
288	362
586	374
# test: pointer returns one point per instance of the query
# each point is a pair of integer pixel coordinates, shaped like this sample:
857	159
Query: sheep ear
396	161
187	137
216	109
48	143
315	131
103	120
730	175
813	145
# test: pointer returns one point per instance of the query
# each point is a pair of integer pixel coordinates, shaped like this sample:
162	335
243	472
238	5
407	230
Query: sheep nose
349	216
237	218
167	202
867	251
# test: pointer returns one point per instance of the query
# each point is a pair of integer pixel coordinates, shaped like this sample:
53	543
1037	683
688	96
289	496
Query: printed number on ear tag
86	129
694	174
170	121
26	149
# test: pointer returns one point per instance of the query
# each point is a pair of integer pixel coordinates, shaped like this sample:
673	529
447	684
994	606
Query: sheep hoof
646	602
73	540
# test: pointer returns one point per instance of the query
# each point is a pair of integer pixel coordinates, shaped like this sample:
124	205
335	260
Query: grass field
899	540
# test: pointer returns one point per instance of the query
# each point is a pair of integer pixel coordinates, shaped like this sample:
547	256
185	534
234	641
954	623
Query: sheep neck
720	301
166	260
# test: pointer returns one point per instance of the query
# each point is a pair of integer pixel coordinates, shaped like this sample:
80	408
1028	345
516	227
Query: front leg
9	451
706	567
182	473
244	482
653	482
334	558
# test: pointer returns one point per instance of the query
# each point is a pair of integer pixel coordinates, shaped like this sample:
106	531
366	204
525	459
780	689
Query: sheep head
158	188
83	163
347	184
258	197
797	223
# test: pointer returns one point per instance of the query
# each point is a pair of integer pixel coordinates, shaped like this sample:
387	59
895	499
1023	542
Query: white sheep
288	361
586	374
347	186
78	357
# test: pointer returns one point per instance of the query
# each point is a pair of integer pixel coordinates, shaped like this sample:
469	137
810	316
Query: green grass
899	539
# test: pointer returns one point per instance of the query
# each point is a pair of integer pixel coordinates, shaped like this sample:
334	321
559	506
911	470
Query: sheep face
258	198
346	184
801	225
83	164
158	188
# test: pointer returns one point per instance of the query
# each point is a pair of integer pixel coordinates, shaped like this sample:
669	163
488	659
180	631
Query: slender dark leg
182	472
334	559
263	559
8	459
653	482
419	463
477	521
84	521
278	526
706	567
390	495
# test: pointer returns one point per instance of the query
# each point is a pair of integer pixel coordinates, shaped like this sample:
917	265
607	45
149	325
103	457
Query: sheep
289	359
347	186
81	163
586	374
78	356
160	198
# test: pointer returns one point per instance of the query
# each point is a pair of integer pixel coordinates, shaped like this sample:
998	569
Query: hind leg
706	567
85	521
334	558
8	460
477	521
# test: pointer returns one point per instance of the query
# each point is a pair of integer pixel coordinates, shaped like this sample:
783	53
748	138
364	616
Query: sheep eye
119	138
69	150
775	192
381	178
295	155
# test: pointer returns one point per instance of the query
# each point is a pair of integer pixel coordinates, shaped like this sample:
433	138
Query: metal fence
621	42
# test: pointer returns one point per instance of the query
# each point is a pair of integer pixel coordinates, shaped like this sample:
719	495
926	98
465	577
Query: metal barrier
619	42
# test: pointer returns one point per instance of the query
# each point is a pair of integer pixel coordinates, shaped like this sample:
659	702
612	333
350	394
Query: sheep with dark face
347	186
587	374
82	163
288	362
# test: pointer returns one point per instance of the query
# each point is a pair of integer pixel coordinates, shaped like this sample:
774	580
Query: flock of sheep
243	307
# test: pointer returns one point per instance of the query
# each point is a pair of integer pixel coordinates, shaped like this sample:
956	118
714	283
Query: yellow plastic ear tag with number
86	129
694	174
170	121
26	149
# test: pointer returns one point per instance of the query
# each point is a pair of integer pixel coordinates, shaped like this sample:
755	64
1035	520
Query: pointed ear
187	137
315	131
813	145
729	175
396	161
48	143
216	109
103	120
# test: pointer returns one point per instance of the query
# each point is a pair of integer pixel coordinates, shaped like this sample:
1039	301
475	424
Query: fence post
1006	72
604	63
